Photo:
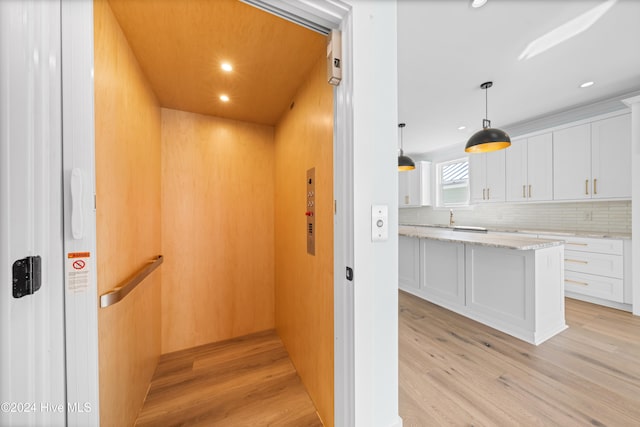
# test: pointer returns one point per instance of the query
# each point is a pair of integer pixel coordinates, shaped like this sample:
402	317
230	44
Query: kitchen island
511	283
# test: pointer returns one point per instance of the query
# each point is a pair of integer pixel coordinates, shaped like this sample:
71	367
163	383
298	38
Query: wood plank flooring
246	381
454	371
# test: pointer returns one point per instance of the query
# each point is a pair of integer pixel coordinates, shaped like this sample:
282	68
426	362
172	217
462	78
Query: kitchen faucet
451	221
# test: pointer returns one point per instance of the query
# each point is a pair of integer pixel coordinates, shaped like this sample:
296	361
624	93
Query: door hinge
27	273
350	274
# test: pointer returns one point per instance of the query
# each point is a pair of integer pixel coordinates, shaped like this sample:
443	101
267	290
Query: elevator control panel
311	211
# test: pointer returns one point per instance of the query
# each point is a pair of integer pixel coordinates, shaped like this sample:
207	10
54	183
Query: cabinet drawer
591	263
585	244
608	288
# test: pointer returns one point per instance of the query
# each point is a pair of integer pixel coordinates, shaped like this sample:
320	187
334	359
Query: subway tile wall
606	217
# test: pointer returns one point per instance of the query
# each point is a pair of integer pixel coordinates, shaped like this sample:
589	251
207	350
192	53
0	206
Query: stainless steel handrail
121	291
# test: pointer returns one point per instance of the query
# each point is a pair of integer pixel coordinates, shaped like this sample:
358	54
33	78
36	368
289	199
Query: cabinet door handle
484	190
576	244
595	186
586	187
576	282
577	261
488	196
529	190
523	193
406	200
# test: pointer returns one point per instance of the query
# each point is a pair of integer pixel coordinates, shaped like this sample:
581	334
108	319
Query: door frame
78	152
78	144
323	16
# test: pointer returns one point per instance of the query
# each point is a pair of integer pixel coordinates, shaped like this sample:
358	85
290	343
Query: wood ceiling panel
180	45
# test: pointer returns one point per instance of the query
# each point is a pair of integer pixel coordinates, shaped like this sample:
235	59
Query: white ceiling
446	49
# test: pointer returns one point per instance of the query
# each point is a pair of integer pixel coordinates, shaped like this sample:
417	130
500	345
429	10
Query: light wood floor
247	381
454	371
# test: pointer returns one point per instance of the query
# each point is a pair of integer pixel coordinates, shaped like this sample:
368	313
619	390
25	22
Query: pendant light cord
486	123
486	103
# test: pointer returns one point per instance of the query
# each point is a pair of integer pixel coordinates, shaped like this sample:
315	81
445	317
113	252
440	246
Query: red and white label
78	271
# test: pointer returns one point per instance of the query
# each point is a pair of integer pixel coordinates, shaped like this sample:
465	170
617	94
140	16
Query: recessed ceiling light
478	3
462	128
226	66
224	98
586	84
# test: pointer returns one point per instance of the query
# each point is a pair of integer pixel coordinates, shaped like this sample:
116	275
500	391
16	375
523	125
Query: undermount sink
469	228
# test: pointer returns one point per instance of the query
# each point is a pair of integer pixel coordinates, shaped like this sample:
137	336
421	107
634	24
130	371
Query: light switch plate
379	223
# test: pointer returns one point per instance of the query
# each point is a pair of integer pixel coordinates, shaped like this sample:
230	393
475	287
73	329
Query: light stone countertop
484	239
515	231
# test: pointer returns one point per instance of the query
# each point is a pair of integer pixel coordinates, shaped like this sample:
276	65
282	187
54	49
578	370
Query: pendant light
404	162
487	139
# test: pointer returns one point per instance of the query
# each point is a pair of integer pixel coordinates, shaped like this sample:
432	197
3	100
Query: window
452	183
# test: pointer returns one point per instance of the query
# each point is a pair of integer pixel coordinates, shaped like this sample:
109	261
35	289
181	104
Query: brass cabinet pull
529	190
586	187
576	244
488	196
523	194
484	190
576	282
579	261
406	200
595	186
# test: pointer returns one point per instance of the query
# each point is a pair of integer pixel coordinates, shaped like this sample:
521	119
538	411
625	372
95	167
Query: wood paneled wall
217	229
127	142
304	283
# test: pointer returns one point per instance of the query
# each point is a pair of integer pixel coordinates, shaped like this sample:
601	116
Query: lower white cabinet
515	291
595	268
518	292
442	271
408	262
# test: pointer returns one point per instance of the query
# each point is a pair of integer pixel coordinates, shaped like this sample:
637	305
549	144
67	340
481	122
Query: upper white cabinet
611	157
593	160
415	186
487	177
529	169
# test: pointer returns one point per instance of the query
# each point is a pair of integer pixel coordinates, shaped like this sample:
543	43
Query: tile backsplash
606	217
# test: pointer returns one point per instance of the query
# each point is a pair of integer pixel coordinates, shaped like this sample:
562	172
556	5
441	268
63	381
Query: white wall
375	177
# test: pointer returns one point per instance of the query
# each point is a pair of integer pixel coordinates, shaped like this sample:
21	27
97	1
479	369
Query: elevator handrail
118	293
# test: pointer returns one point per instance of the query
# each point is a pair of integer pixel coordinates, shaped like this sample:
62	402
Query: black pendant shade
487	139
404	162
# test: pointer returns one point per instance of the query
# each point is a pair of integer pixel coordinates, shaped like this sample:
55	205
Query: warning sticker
77	271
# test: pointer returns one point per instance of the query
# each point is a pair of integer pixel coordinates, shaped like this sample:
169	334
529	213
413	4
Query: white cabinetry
442	272
408	263
517	292
415	186
594	267
529	169
592	160
487	177
611	157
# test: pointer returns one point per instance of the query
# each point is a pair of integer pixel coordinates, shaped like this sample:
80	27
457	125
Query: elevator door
32	364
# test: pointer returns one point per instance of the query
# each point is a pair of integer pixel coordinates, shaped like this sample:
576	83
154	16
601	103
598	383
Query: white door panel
32	366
